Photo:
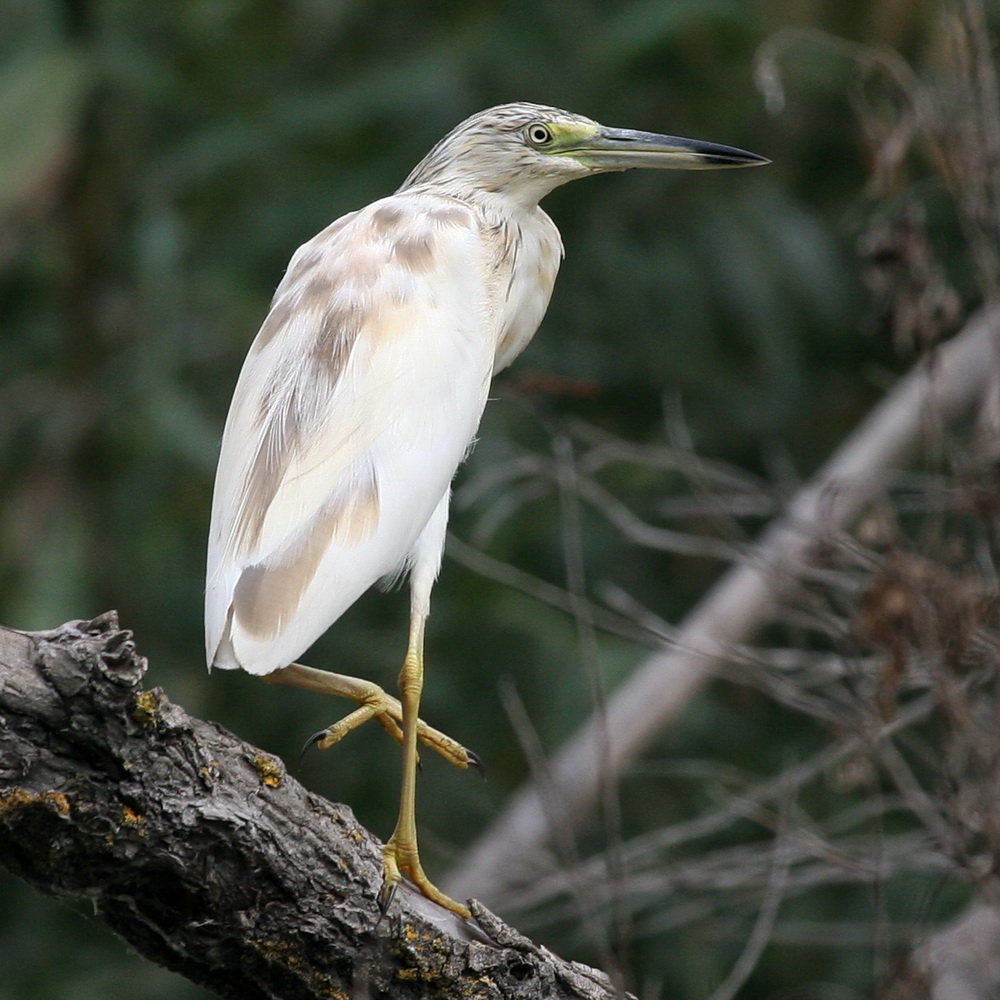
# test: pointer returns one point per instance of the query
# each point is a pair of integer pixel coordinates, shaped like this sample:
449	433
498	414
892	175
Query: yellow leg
400	853
374	704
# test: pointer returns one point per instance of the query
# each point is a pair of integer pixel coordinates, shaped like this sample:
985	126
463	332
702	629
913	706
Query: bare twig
745	598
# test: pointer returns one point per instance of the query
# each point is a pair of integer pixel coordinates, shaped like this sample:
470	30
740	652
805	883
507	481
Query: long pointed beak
623	149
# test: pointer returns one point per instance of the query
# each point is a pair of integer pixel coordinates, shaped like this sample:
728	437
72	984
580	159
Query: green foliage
158	165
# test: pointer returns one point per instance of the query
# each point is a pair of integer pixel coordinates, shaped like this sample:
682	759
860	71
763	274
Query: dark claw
477	762
311	742
385	898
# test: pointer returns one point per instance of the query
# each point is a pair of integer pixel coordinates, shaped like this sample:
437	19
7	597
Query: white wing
355	406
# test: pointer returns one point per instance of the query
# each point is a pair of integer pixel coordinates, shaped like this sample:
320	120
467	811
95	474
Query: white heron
360	396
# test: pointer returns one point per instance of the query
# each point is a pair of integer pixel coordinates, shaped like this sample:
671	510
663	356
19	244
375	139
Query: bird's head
523	151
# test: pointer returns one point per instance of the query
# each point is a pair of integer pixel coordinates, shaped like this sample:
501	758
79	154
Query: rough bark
207	857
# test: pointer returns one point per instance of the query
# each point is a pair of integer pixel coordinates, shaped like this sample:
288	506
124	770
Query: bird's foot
387	711
373	703
400	856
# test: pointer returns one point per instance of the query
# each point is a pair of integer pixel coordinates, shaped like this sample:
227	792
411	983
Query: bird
362	393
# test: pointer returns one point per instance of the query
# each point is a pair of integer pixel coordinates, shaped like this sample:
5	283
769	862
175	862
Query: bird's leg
400	853
374	703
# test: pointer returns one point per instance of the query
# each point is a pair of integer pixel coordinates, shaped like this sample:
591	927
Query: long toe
398	858
450	749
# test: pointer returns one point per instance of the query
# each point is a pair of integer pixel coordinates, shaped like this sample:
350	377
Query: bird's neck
508	201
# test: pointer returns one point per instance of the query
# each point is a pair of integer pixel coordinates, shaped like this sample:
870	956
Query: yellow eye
538	134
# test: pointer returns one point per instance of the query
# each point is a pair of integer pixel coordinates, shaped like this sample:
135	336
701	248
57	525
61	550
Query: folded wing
355	406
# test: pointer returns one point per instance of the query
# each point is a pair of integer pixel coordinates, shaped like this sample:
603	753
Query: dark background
159	163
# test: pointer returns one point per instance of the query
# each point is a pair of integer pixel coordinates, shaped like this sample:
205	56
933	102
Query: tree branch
207	857
940	389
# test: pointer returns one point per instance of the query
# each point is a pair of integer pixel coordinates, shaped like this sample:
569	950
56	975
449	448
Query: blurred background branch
744	601
823	810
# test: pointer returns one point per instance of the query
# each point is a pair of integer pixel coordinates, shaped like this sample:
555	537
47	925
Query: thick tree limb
946	385
207	857
961	961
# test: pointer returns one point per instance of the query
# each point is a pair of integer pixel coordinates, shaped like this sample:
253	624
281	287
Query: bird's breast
532	256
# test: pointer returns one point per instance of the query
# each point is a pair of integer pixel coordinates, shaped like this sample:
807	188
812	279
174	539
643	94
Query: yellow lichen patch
282	952
323	989
208	771
413	936
269	769
131	818
19	798
426	957
427	971
147	708
286	954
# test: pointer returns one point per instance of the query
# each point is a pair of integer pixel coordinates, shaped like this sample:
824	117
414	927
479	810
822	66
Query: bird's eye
538	134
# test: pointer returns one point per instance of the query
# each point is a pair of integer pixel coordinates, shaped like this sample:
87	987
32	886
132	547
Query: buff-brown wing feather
359	330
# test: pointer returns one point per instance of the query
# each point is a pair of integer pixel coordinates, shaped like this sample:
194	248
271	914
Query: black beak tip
736	158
